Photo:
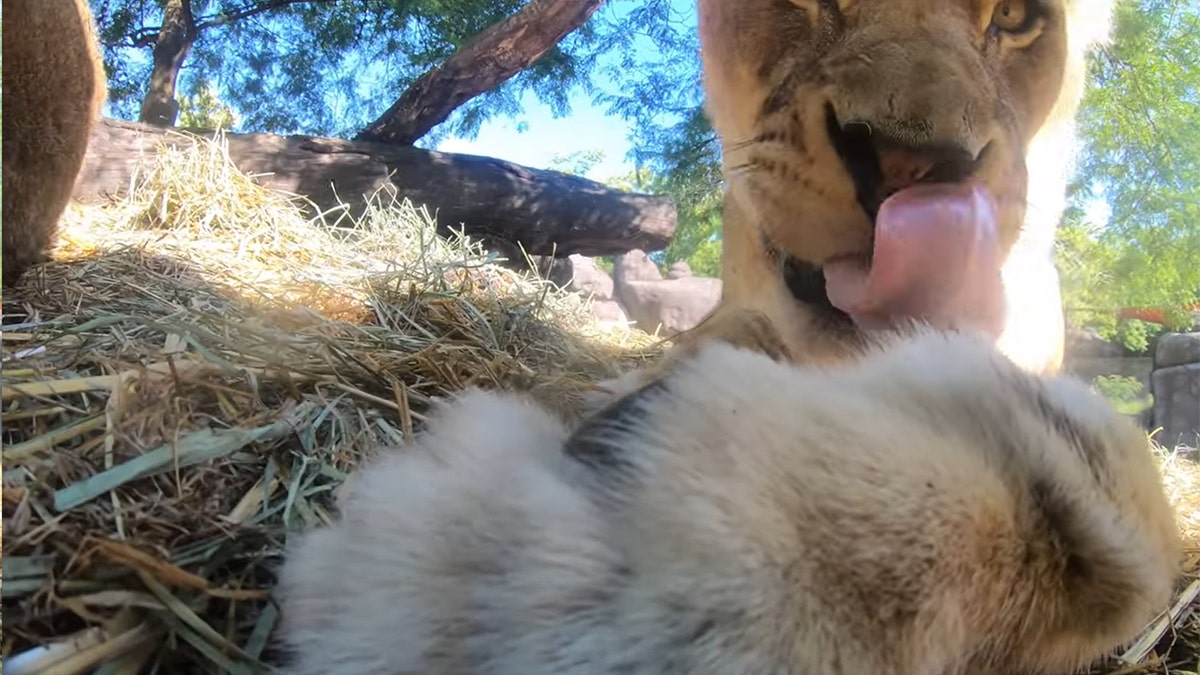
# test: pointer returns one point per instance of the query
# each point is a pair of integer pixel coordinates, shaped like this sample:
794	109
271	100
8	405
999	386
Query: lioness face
830	107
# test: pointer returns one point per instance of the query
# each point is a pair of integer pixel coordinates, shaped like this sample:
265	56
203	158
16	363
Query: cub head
932	509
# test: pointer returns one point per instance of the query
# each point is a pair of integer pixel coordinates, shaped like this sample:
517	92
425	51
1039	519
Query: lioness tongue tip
846	284
933	242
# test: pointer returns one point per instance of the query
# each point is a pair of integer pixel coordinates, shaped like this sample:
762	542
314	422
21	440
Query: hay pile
196	373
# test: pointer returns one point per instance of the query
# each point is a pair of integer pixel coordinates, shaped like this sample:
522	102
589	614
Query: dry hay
194	375
198	370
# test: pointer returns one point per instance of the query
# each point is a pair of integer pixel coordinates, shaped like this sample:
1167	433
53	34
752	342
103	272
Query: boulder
635	266
586	278
669	305
580	274
1087	343
679	269
609	312
1177	404
1177	349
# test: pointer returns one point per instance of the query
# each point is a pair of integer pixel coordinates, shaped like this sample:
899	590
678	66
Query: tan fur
922	71
931	510
54	87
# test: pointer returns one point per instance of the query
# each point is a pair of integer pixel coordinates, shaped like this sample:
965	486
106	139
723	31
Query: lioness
54	87
930	509
894	159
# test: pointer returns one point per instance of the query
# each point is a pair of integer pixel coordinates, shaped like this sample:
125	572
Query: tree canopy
1140	156
324	67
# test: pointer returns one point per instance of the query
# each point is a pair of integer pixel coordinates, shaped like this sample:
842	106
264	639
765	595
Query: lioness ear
603	446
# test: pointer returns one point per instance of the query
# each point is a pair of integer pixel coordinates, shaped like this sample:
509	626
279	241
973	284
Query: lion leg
744	328
54	88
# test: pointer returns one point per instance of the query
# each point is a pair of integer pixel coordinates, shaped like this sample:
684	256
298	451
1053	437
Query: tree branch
148	34
488	60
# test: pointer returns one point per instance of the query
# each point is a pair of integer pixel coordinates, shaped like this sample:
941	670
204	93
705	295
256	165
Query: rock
1087	343
1177	405
679	269
1177	349
635	266
609	312
669	305
586	278
637	293
580	274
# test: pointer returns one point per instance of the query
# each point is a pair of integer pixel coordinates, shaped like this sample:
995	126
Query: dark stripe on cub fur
597	442
1083	441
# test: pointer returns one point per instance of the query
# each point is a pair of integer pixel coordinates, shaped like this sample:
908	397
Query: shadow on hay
165	428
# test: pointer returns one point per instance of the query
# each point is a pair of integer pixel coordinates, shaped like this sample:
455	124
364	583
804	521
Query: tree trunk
488	60
546	212
175	40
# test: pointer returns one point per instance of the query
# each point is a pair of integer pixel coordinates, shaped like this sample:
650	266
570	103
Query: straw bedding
198	370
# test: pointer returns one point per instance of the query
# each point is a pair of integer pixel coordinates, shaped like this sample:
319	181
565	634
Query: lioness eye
1011	16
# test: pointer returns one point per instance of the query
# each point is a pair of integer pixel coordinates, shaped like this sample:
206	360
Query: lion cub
930	510
54	87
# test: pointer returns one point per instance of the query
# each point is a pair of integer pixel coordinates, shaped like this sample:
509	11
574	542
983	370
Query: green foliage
328	67
1136	335
1140	153
204	110
1126	394
577	163
655	83
697	237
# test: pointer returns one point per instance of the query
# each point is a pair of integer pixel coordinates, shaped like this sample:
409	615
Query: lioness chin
931	509
892	160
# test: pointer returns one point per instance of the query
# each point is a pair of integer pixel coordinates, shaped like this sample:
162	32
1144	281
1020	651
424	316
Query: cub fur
931	510
54	87
929	76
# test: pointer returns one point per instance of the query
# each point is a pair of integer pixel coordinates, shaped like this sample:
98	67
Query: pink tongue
936	259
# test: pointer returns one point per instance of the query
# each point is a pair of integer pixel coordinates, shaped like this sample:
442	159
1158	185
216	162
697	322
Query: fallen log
546	212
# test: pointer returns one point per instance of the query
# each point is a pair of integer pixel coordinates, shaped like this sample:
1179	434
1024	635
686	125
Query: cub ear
1109	551
604	447
1101	581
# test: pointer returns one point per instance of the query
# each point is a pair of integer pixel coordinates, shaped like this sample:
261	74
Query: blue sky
534	137
586	128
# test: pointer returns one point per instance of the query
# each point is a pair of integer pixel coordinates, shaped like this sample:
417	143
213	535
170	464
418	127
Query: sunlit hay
198	369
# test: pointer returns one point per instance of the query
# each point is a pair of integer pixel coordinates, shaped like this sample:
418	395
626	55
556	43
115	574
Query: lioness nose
882	162
903	166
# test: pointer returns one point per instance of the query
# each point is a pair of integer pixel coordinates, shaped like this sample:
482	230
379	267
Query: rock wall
1175	383
638	294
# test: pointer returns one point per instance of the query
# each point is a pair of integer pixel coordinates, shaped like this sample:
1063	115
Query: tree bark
175	40
546	212
488	60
